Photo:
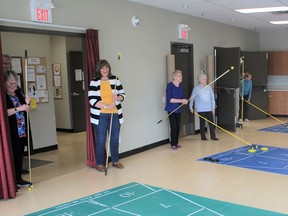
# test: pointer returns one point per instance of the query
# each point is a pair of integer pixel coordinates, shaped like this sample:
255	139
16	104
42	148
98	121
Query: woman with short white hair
203	96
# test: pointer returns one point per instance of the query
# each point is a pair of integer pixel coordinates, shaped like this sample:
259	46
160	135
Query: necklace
11	94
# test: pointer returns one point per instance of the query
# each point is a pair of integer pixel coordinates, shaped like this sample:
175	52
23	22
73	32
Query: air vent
280	13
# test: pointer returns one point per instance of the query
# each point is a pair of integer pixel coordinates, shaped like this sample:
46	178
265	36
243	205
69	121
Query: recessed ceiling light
279	22
261	10
185	6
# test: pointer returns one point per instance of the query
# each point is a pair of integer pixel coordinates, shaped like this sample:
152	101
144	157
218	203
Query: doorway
39	44
227	98
226	59
257	64
184	61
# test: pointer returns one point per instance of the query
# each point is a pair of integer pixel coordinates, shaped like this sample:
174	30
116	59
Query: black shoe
204	138
17	188
22	182
215	139
25	171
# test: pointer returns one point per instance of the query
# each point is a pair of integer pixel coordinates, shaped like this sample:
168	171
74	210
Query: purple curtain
7	180
92	56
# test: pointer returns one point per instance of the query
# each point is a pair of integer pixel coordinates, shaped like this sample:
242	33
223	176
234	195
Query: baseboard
121	155
143	148
45	149
279	115
64	130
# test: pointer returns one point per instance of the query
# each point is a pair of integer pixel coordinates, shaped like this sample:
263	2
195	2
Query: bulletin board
37	79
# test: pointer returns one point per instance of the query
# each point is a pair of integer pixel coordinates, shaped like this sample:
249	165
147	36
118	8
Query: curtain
7	179
92	56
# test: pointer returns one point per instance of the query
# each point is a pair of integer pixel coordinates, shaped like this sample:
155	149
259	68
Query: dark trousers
18	152
174	119
209	116
246	108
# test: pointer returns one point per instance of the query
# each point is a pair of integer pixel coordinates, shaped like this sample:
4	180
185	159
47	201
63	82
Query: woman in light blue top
203	96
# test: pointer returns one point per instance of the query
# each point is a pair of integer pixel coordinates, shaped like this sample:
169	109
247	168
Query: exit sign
42	15
41	11
183	31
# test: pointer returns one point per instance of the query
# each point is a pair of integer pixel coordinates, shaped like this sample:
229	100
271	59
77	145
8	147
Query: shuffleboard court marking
136	199
273	160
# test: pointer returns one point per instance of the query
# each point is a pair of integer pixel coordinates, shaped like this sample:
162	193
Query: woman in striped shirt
105	96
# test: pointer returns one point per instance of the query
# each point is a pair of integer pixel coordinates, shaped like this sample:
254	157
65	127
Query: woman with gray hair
17	109
203	96
174	100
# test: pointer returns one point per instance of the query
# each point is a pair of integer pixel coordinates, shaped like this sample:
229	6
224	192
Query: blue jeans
101	133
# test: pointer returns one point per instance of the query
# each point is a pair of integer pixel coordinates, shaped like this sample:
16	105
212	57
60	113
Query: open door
184	61
257	64
226	86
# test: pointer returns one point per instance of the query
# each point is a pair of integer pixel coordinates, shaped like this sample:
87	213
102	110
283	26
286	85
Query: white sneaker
240	120
247	120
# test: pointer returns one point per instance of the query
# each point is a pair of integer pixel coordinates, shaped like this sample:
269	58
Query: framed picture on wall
16	65
57	81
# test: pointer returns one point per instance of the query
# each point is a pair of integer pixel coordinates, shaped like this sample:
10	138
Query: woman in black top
17	108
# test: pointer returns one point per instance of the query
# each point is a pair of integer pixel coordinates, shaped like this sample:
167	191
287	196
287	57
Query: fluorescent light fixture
279	22
262	10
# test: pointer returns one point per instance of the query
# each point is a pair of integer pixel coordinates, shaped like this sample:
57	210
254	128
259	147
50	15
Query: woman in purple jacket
174	99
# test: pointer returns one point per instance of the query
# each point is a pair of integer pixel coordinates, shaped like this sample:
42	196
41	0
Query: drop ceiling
223	11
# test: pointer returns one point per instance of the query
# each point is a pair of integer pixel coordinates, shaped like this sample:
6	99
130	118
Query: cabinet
278	63
277	102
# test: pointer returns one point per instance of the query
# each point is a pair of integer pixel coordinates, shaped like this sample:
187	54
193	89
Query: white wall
60	47
58	55
143	65
274	41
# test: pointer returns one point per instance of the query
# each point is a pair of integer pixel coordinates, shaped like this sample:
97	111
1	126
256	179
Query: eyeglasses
11	83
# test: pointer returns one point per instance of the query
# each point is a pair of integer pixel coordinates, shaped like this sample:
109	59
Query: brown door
77	90
226	86
257	64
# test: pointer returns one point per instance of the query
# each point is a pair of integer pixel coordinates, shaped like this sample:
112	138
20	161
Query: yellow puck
264	148
252	150
232	67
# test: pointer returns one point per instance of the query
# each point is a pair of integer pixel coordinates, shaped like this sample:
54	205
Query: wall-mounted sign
41	11
183	31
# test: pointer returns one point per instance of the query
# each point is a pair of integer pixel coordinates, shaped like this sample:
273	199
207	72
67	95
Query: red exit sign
41	11
42	14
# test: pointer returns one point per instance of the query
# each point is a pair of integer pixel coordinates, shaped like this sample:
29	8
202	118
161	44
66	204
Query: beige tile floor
69	178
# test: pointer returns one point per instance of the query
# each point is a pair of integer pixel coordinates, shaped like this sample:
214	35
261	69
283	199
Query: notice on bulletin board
37	79
78	75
